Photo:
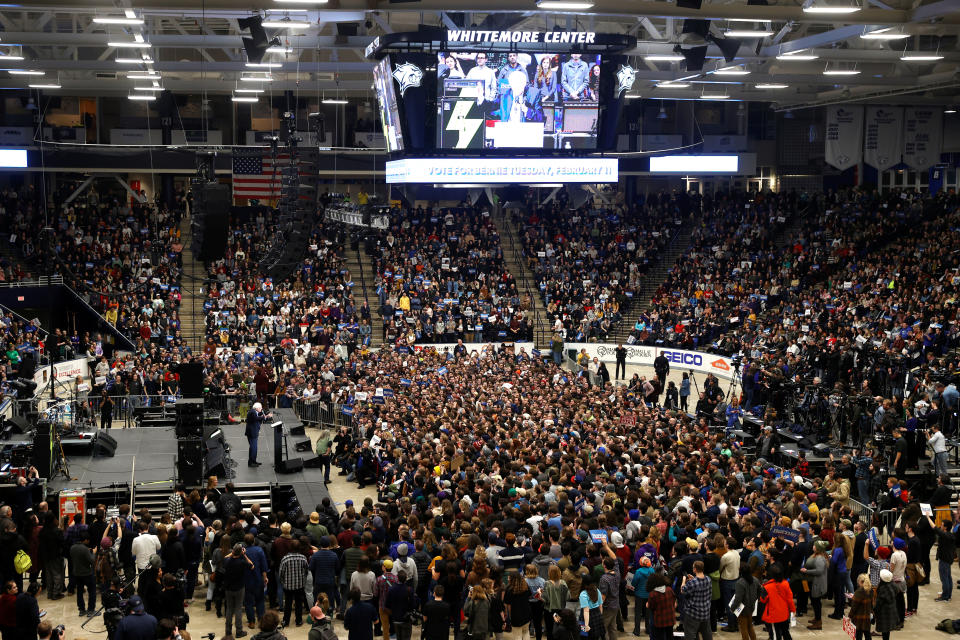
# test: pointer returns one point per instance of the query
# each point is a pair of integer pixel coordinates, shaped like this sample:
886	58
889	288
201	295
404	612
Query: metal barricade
862	511
314	411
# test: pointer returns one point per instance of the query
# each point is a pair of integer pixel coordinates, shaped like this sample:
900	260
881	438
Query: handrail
41	281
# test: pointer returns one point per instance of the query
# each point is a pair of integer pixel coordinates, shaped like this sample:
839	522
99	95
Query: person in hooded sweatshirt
270	627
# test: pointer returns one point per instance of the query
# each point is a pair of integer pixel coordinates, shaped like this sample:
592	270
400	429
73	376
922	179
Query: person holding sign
745	597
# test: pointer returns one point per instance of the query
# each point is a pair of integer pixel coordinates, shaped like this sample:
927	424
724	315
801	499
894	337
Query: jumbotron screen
497	100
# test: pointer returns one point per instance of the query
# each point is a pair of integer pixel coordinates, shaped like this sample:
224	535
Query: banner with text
844	140
921	136
883	140
695	361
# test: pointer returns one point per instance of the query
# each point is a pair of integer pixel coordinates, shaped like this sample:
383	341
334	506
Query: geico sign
683	358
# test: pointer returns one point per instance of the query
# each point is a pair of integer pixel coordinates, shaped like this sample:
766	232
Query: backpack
327	633
22	562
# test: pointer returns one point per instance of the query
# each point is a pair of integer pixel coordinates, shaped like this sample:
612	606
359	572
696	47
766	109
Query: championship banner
844	139
921	137
883	141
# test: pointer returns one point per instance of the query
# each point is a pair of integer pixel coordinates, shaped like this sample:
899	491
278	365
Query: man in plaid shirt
292	574
175	503
697	591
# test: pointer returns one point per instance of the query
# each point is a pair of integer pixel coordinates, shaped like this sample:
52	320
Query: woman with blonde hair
535	584
861	607
476	610
555	595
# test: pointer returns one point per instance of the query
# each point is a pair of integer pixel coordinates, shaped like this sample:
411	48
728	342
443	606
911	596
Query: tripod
734	383
60	463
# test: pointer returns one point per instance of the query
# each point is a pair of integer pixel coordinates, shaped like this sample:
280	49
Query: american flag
254	176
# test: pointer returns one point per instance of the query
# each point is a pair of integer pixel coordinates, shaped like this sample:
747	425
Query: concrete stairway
365	288
192	319
652	280
526	282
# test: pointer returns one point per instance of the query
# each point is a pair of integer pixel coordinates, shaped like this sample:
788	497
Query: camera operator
46	631
167	629
137	624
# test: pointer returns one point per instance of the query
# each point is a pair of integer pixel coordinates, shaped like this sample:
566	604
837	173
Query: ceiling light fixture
739	33
841	72
949	110
26	72
673	85
144	60
285	24
46	85
264	78
245	99
921	58
144	75
276	49
264	65
632	96
302	1
885	34
797	56
148	88
129	45
770	85
833	10
335	101
248	90
564	5
141	96
664	58
710	96
5	56
109	20
732	71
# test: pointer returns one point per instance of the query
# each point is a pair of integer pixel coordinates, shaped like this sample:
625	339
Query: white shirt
144	546
938	442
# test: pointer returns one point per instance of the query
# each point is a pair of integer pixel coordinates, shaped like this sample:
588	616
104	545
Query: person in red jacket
8	611
777	597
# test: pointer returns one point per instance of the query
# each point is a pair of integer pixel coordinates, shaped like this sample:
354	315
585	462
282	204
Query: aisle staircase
192	323
365	288
654	277
526	281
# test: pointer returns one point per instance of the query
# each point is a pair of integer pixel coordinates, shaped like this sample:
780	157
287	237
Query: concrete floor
919	627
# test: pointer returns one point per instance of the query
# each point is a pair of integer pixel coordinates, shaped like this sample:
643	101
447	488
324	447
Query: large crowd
440	277
511	493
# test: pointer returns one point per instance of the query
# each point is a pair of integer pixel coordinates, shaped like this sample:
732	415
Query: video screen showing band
497	100
387	100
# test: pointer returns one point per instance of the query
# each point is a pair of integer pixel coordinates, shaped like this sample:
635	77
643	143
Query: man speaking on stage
255	419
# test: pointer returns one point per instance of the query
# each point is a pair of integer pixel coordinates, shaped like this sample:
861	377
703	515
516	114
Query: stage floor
149	454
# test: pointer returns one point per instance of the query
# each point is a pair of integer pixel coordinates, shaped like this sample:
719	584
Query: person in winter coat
885	610
778	601
814	571
745	596
517	599
662	607
270	627
565	625
476	609
861	607
838	578
436	617
319	619
639	587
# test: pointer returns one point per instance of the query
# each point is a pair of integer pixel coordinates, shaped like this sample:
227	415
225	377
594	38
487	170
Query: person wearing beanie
885	608
406	564
385	581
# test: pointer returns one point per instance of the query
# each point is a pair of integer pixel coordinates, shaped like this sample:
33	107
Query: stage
149	455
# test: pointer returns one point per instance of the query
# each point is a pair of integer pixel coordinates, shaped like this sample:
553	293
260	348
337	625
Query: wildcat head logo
625	77
408	75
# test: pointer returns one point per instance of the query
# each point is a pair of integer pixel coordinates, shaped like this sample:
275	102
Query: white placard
688	164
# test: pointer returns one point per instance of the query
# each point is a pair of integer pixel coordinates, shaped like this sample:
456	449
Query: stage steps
153	496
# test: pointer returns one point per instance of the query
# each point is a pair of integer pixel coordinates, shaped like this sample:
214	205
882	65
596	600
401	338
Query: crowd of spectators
589	263
441	277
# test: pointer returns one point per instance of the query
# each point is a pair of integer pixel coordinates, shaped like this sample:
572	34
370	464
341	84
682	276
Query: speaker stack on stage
190	445
189	418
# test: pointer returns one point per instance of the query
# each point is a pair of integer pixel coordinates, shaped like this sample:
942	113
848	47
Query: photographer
46	631
137	624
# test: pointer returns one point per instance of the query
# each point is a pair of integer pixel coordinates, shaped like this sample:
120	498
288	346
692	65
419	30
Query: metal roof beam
936	10
819	40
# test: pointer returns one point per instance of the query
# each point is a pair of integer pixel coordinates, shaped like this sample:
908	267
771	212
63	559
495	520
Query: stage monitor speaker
190	461
313	463
214	461
104	445
17	424
304	445
299	430
292	465
43	450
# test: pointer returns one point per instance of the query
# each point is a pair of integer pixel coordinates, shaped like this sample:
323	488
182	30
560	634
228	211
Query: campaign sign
786	533
599	536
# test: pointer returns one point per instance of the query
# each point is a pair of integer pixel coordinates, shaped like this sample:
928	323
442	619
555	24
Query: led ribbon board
501	170
692	165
